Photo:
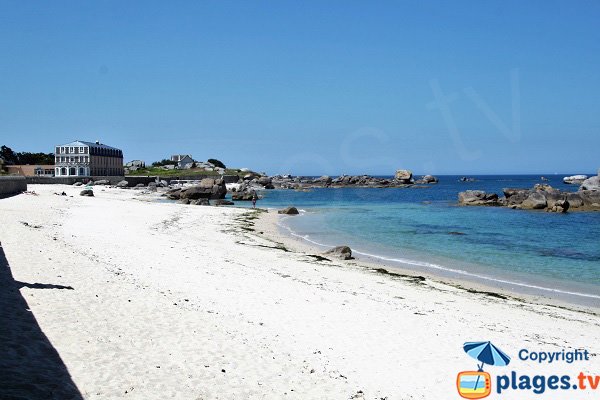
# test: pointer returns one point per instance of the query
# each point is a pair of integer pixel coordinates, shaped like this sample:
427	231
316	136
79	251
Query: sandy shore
117	296
273	226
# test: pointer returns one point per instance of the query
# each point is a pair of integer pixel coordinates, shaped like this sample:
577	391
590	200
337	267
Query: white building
81	158
183	160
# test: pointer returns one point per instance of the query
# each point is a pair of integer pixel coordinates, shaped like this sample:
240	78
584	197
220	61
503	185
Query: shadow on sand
30	368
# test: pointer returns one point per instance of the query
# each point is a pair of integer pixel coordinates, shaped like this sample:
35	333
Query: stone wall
11	185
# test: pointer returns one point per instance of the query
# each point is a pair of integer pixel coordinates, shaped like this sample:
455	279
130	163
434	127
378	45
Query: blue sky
310	87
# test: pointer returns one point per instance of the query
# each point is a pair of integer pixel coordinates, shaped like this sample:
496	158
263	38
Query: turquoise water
549	254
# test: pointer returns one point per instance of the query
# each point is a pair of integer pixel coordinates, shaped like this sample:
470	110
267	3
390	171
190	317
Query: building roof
79	143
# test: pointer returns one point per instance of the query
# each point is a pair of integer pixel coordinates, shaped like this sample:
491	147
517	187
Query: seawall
11	185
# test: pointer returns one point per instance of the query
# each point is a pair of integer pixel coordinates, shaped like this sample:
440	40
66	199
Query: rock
535	201
430	179
289	211
164	183
173	194
77	184
575	200
561	206
207	189
87	192
325	180
221	202
102	182
140	185
591	199
341	252
152	184
200	202
184	201
592	183
403	175
242	196
123	184
574	179
477	198
264	180
515	196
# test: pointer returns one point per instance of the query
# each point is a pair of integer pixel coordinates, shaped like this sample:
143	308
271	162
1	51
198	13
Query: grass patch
172	173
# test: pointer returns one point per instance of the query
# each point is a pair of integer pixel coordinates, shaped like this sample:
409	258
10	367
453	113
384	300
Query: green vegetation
216	163
163	162
157	171
24	158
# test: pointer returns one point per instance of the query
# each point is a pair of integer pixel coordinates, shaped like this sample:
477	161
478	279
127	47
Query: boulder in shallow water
289	211
341	252
477	198
574	179
403	175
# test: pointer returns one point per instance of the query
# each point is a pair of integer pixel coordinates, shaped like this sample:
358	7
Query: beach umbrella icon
487	353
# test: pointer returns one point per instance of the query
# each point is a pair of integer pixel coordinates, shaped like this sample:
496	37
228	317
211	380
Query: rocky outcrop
242	196
427	179
402	179
173	194
222	202
403	176
87	192
265	182
592	183
289	211
341	252
208	188
574	179
540	197
478	198
535	201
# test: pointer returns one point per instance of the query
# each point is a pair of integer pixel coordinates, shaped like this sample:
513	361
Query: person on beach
254	198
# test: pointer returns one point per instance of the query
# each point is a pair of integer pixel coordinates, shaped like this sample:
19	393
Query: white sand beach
153	300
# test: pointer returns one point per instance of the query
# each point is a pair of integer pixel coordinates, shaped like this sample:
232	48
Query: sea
552	255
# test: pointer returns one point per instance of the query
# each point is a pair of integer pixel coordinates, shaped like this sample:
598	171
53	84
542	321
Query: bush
163	162
216	163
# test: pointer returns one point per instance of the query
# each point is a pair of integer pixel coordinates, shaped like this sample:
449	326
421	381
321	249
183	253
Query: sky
311	87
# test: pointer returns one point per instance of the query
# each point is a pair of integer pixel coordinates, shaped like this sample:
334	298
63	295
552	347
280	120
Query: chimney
97	142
